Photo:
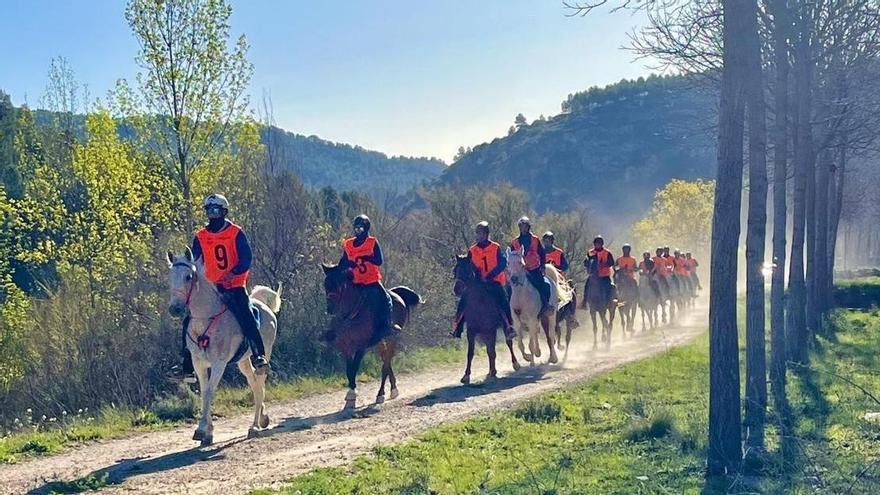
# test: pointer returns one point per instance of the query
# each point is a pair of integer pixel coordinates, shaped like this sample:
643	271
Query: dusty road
311	432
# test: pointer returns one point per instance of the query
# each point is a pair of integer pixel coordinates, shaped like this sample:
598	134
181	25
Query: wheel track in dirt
312	432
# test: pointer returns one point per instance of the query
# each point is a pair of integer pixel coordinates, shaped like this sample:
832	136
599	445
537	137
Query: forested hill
321	163
348	168
609	149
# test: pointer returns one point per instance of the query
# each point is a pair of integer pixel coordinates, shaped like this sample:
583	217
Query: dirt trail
311	432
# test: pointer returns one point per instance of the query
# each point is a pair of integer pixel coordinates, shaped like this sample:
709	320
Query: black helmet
549	235
361	221
482	226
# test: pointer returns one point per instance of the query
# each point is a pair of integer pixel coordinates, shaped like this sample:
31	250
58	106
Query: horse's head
463	273
183	279
516	266
336	281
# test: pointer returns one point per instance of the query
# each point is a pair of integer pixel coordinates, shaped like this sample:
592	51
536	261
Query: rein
337	294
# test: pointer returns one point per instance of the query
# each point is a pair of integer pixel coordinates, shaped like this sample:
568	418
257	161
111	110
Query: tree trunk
823	168
780	213
836	196
725	428
756	352
797	325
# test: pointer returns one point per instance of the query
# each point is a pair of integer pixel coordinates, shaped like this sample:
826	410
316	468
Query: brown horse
628	300
567	314
600	303
482	315
352	327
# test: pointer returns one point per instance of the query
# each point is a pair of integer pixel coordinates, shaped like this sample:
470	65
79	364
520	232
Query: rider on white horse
224	249
535	259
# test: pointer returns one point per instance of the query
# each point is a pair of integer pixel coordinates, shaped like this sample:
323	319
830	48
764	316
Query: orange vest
555	258
365	273
681	268
627	265
660	265
692	264
486	259
604	269
532	258
221	255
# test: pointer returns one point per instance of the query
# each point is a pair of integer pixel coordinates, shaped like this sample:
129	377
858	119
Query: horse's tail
267	296
409	296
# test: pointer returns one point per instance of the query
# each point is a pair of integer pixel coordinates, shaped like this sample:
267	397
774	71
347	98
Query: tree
520	121
511	130
682	211
193	83
459	154
9	176
725	429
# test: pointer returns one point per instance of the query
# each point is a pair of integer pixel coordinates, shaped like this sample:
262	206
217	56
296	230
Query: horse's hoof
560	346
207	440
394	393
349	405
466	379
528	357
516	366
198	435
253	433
351	396
537	353
553	359
380	399
264	421
490	378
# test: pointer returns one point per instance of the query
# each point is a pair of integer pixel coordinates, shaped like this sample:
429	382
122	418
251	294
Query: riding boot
458	322
184	370
238	302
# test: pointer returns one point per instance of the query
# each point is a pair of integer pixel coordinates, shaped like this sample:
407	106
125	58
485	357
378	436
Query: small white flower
43	418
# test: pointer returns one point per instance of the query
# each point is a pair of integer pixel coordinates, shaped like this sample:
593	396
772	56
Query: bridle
201	340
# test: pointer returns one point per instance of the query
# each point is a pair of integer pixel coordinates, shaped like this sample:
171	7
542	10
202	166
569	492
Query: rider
661	269
490	261
600	262
681	269
626	264
692	268
646	267
362	256
535	259
226	253
670	268
554	255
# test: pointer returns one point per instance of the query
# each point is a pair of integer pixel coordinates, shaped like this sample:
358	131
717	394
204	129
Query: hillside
610	149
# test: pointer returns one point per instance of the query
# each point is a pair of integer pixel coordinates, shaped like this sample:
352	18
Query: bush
658	425
539	411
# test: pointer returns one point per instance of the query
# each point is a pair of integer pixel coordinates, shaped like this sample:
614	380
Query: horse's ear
170	257
460	257
188	254
326	268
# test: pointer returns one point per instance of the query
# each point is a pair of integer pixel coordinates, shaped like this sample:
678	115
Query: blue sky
403	77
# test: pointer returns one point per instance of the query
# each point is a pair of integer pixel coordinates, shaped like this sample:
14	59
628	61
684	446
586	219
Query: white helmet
525	221
216	200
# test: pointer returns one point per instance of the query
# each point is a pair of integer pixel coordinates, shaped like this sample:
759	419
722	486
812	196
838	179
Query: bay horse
649	300
352	327
628	300
566	314
525	303
214	338
482	315
600	303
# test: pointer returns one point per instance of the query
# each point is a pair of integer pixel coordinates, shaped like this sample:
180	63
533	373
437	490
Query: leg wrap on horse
239	305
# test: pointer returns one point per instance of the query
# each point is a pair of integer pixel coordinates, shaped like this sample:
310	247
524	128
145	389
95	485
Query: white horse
525	303
212	324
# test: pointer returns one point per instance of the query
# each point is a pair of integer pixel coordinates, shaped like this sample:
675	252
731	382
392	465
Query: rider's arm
243	247
196	248
587	262
376	259
501	265
611	261
542	254
563	263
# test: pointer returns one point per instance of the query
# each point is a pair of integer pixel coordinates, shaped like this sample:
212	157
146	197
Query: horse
628	299
482	315
601	303
525	303
352	328
215	339
649	300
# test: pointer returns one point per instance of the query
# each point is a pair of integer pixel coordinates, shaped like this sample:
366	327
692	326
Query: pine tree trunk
756	352
797	325
836	197
823	168
780	213
725	428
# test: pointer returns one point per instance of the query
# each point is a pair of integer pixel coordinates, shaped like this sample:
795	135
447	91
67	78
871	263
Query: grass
642	428
860	293
44	437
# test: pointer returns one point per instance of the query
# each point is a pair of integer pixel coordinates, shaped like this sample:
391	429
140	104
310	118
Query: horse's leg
258	390
593	317
534	344
352	365
522	348
513	360
471	336
201	369
490	352
214	378
384	354
546	323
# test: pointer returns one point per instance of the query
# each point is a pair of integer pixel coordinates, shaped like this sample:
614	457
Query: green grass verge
641	429
861	293
40	438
